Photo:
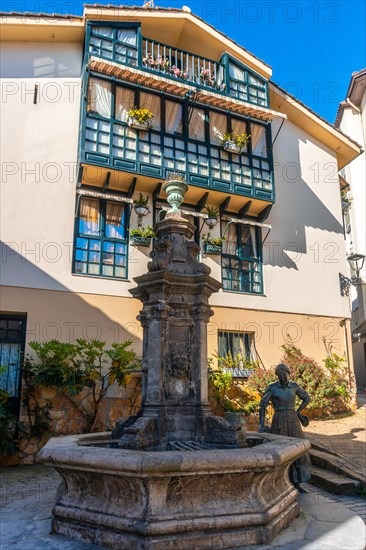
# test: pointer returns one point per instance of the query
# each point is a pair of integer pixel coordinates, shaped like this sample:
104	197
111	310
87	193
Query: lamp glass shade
356	262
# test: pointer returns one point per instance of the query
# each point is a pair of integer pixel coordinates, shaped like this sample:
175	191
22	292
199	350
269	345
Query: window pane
258	140
152	102
197	125
218	127
127	36
125	99
114	222
89	222
235	72
100	97
173	117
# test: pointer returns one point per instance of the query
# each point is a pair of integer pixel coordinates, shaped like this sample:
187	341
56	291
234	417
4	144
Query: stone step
334	483
337	463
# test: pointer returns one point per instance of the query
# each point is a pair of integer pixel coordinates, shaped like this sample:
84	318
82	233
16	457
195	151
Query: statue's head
283	373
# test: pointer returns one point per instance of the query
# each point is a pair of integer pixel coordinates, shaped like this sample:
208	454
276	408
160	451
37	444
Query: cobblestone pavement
28	492
345	435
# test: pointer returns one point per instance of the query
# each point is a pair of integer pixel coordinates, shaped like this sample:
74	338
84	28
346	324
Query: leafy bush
72	369
9	425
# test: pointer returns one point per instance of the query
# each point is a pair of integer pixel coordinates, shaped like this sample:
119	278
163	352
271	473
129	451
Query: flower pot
138	240
212	249
211	222
134	123
141	210
230	147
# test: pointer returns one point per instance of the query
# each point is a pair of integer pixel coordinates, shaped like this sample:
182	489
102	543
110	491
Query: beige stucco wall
66	316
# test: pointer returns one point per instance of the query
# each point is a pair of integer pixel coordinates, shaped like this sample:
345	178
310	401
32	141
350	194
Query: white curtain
197	125
124	102
89	216
114	213
258	139
249	241
152	102
235	72
230	244
100	97
218	127
173	117
127	36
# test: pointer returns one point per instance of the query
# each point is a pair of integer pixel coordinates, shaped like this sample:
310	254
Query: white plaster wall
305	250
40	60
354	125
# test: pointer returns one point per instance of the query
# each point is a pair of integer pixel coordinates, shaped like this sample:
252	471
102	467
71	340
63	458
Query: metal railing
183	65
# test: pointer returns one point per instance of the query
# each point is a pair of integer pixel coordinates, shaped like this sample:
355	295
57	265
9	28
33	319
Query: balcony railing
124	45
159	57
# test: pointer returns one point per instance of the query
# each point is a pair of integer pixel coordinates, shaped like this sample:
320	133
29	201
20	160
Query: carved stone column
175	294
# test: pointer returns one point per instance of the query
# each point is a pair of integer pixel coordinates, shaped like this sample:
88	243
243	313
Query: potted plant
141	236
140	205
235	143
212	245
213	214
140	119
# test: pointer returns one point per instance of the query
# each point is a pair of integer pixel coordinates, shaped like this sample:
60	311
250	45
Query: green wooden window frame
107	41
95	253
110	142
242	271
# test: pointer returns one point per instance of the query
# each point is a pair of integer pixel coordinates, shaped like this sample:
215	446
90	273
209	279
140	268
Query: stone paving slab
28	494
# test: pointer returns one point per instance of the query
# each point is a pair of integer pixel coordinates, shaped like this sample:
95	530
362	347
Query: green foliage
143	200
240	140
72	369
212	212
216	241
143	232
9	425
322	386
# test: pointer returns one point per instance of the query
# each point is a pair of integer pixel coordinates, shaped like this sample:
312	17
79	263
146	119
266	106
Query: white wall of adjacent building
353	123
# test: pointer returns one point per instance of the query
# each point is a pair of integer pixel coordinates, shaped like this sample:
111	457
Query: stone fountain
177	476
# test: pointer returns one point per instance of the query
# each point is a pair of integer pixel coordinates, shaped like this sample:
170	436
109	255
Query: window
181	138
242	259
101	243
246	86
240	347
100	97
119	44
12	341
173	117
197	124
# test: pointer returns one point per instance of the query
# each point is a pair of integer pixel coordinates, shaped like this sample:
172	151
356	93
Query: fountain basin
144	500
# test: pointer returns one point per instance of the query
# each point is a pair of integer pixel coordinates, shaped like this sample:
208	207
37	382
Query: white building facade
351	119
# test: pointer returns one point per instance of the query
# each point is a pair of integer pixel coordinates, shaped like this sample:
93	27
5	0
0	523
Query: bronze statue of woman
286	420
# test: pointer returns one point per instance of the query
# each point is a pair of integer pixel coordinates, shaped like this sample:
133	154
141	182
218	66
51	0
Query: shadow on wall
41	60
64	315
297	205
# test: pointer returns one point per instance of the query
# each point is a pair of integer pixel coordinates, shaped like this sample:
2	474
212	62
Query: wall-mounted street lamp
356	262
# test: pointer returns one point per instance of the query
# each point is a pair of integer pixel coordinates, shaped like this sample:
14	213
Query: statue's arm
262	408
304	396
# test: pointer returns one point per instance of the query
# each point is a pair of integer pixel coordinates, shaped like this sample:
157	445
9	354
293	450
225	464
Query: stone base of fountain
144	500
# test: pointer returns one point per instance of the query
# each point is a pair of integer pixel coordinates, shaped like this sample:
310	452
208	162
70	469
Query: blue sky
312	46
